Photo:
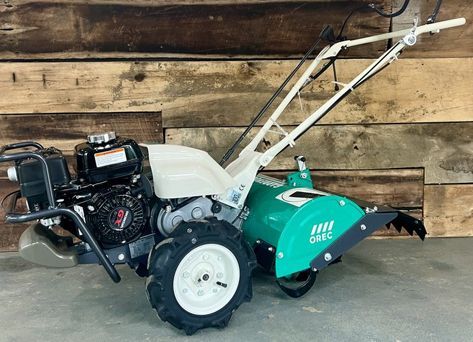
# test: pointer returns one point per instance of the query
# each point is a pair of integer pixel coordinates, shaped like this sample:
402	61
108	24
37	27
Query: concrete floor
384	290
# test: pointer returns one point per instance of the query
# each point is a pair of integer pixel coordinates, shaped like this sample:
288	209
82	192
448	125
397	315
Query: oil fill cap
101	138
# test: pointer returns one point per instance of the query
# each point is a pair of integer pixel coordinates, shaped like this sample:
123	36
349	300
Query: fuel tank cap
101	138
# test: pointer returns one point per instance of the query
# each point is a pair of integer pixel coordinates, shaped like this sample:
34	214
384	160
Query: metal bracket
411	38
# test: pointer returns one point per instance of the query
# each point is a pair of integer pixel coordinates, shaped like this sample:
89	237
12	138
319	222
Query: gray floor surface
384	290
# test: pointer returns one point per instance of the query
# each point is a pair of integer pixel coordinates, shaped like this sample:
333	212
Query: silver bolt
189	230
342	203
200	293
328	256
314	269
303	175
197	213
214	290
280	255
363	227
258	241
184	290
140	196
219	275
205	257
271	249
412	39
194	241
121	256
90	207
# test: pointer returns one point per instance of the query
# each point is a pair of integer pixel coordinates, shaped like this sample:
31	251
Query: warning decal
115	156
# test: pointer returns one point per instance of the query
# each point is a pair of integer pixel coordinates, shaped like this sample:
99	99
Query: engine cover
117	216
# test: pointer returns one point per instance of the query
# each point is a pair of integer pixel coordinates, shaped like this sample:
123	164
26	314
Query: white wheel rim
206	279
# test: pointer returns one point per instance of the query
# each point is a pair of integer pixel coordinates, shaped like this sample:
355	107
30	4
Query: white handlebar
435	27
245	167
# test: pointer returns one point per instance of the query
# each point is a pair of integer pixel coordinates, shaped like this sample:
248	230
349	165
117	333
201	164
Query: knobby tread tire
166	256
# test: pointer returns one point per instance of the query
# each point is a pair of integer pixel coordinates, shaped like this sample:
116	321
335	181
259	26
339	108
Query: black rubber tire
166	256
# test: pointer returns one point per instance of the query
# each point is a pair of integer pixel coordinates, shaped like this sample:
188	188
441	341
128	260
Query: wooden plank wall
195	72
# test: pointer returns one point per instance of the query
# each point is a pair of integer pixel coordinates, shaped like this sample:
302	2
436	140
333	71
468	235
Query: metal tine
406	224
397	225
420	230
409	229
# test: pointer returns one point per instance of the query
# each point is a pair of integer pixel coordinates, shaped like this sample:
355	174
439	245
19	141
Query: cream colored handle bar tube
330	52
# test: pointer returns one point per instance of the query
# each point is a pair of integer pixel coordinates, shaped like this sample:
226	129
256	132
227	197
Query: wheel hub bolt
184	290
200	293
205	257
186	275
219	275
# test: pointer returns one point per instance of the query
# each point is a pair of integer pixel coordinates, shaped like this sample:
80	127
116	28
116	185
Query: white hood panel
180	171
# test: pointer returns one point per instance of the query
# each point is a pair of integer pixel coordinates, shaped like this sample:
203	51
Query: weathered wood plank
402	188
64	131
230	93
457	42
443	149
250	28
448	209
163	2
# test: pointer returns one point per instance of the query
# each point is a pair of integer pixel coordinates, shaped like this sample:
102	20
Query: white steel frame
249	161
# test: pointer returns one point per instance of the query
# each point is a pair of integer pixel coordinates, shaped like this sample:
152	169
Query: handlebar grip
22	144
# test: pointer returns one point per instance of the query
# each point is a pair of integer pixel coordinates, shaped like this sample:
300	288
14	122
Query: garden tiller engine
196	228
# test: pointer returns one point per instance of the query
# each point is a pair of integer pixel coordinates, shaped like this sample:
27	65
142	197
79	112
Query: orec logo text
321	232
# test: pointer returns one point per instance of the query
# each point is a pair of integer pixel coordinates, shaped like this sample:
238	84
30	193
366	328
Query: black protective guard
402	220
377	216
